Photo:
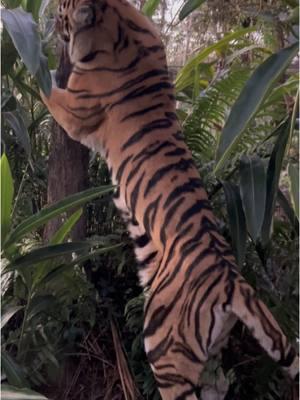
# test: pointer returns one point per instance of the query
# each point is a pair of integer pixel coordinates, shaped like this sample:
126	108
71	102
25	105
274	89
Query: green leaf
13	393
185	76
253	192
43	76
15	121
273	175
8	313
188	7
237	222
33	6
7	193
43	268
13	371
64	230
48	252
294	187
52	211
250	99
149	7
23	32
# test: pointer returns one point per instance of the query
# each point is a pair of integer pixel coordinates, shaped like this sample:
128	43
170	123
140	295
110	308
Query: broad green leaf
65	229
8	313
12	393
33	6
13	371
58	237
23	32
253	193
185	76
53	210
15	121
149	7
273	175
237	222
294	187
251	97
43	76
48	252
189	6
7	193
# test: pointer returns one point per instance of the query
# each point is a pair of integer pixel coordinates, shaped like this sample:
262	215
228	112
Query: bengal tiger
120	101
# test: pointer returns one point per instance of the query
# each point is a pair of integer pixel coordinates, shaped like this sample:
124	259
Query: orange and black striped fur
119	101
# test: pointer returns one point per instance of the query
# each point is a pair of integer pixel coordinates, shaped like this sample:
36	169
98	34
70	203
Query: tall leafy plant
32	276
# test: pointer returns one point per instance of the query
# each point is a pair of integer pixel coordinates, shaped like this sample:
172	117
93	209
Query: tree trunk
68	163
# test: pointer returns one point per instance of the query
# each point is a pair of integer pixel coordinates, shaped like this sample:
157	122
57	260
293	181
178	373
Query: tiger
119	101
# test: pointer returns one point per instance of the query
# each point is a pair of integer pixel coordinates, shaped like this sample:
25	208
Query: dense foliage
72	311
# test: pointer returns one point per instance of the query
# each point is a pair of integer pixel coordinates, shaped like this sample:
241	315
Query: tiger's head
87	26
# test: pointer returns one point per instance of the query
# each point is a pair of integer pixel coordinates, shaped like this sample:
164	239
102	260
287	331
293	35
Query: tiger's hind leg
176	368
263	326
174	381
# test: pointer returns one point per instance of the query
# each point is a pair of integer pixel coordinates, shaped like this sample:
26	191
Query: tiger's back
120	102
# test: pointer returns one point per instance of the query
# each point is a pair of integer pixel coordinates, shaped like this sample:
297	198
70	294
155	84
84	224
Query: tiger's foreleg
76	117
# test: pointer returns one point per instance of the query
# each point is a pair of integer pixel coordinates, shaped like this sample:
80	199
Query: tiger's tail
263	326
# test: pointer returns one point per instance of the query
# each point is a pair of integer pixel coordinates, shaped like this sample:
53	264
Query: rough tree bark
68	163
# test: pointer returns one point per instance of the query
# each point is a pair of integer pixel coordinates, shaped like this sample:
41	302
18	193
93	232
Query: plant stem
24	322
19	191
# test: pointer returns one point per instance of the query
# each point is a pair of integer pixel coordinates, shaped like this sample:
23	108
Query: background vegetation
71	305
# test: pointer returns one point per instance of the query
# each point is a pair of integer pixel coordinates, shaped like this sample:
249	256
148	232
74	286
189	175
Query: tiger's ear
84	15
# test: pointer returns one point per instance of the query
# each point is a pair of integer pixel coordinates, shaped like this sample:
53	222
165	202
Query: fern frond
206	119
